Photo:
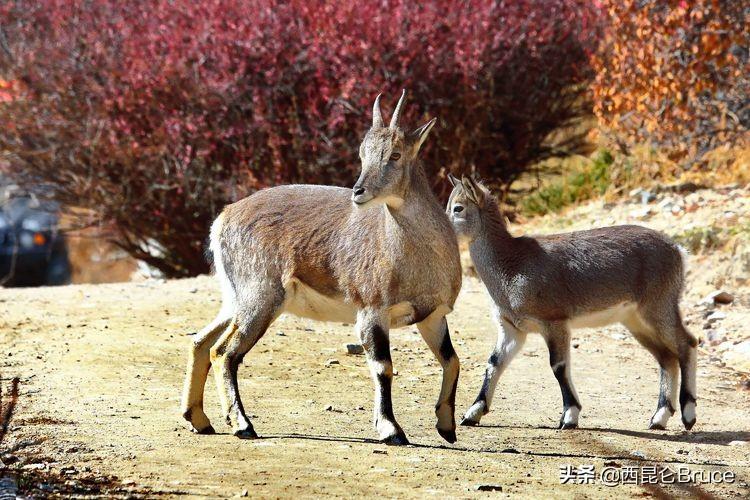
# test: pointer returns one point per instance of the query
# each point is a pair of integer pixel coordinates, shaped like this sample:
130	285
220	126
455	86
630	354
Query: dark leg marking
569	398
685	398
247	432
381	352
482	396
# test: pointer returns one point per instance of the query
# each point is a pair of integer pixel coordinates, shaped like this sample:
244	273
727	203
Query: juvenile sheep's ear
473	190
453	180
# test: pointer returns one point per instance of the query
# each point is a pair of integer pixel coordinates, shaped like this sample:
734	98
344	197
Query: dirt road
101	368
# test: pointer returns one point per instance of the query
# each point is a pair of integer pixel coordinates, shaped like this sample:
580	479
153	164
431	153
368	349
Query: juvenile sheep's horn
397	111
377	116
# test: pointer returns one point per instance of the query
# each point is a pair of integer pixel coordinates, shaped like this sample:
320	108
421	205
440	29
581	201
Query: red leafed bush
675	73
154	114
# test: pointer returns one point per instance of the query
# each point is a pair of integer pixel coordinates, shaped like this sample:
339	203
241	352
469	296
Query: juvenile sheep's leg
688	351
372	327
510	340
669	331
669	370
557	336
435	332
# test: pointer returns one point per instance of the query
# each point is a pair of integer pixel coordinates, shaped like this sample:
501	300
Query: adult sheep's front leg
434	330
372	327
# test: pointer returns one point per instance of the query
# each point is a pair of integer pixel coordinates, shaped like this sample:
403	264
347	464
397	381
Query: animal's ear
473	190
421	133
453	179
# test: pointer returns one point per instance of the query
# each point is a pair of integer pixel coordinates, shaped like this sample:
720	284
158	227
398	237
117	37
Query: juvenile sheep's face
464	208
388	155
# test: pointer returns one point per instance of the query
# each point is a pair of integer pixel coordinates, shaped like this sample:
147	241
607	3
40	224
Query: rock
641	213
332	362
354	349
641	195
718	297
489	487
638	453
243	493
380	452
737	356
739	443
618	336
715	337
715	316
665	205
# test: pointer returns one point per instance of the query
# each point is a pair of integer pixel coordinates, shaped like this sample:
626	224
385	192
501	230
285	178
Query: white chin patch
475	413
571	415
688	412
661	417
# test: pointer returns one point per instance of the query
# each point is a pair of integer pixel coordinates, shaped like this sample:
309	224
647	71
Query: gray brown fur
550	284
382	254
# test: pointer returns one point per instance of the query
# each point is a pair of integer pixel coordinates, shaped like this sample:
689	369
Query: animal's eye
395	156
458	209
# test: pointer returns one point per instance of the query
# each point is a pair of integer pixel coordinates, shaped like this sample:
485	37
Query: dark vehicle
32	250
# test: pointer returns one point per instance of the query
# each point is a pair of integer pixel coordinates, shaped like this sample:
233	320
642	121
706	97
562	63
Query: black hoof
688	425
467	422
207	430
248	433
396	440
449	436
656	427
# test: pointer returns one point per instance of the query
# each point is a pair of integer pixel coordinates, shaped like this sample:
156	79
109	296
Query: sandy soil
101	369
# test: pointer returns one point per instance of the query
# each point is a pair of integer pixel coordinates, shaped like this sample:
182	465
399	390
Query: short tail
214	253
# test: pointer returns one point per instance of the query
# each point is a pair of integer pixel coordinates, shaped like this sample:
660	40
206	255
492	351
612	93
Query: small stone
489	487
739	443
716	316
332	362
638	453
380	452
244	493
354	349
722	297
715	337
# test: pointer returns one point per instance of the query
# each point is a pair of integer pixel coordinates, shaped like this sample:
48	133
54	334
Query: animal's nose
358	190
458	209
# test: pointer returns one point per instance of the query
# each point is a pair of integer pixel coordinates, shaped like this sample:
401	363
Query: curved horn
377	116
397	111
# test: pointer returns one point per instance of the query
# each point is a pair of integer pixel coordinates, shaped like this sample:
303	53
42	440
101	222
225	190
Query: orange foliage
675	74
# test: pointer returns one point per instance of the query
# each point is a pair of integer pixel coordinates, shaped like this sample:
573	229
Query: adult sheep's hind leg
197	371
248	326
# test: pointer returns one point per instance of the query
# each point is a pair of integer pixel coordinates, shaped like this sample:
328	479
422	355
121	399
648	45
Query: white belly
303	301
614	314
